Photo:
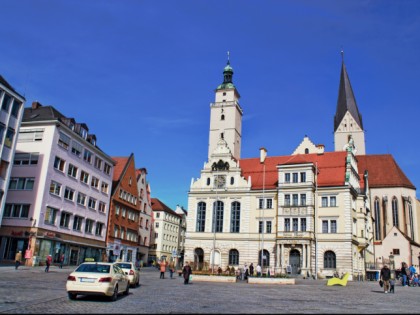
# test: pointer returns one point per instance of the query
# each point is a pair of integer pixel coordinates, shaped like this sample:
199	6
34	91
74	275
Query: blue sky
142	74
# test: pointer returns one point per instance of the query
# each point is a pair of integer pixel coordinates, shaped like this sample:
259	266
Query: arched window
266	258
410	218
222	117
208	181
235	217
218	216
201	217
395	212
198	259
329	260
377	219
232	180
233	257
306	151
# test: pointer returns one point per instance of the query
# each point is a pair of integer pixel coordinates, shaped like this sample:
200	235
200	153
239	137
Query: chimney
320	148
36	105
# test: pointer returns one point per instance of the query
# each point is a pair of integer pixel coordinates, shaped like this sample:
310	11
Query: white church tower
347	120
226	116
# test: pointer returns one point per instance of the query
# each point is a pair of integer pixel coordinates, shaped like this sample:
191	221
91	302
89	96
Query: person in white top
258	270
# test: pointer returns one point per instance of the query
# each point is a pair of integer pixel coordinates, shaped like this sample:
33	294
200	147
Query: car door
121	278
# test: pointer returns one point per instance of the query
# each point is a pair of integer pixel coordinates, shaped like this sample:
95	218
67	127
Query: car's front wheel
114	296
72	296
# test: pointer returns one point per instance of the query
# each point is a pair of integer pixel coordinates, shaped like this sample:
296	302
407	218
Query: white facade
10	119
69	200
145	230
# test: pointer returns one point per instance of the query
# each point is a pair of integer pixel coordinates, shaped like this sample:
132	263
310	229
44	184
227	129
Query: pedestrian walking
171	268
385	277
18	259
162	265
404	273
48	262
61	260
251	269
186	272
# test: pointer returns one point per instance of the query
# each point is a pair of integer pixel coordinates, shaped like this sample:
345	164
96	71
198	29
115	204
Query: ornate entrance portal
294	261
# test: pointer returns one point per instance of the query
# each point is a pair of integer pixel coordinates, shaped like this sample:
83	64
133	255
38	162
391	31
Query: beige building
308	213
166	227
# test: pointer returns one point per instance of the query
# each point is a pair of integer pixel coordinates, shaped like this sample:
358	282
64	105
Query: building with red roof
308	213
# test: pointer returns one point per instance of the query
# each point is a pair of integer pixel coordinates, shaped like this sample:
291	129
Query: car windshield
97	268
124	266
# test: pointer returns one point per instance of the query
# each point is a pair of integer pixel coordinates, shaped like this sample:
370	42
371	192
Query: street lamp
263	155
315	219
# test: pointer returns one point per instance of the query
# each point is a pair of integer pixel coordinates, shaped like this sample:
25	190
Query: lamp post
263	155
391	264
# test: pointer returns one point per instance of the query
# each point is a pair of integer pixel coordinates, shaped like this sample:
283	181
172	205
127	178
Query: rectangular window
7	99
333	226
295	225
63	140
87	156
287	177
21	183
107	168
295	199
55	188
26	159
50	215
10	134
65	220
98	163
303	224
303	199
77	223
30	135
72	171
69	194
268	226
2	129
117	212
104	187
287	225
99	228
59	164
101	206
16	210
325	201
94	182
123	212
295	177
261	203
116	230
333	201
260	226
269	203
324	226
81	199
92	203
15	108
302	177
76	148
396	251
287	200
84	177
89	226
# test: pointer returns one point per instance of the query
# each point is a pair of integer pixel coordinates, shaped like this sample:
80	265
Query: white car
97	278
131	271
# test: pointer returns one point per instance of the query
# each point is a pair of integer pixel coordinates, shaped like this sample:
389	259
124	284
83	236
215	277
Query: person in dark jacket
404	273
385	277
186	272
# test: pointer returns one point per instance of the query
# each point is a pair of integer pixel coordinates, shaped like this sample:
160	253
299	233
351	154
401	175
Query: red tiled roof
158	205
383	171
331	165
120	163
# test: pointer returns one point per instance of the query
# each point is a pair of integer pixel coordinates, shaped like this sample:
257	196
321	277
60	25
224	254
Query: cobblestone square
31	290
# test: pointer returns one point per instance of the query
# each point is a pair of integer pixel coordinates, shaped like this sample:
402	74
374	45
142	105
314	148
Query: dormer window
71	126
83	133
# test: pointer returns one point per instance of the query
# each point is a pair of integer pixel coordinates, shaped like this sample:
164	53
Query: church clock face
220	181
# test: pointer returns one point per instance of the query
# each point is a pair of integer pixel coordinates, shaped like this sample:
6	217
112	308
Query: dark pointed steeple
346	101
